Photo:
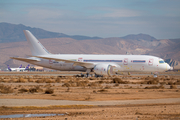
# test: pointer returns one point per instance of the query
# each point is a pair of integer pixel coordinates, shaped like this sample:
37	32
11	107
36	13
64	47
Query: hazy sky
103	18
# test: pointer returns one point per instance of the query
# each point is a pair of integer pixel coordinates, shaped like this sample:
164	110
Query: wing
26	59
75	63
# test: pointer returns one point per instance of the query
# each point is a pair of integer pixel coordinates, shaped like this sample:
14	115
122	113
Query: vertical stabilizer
20	66
9	68
36	47
27	67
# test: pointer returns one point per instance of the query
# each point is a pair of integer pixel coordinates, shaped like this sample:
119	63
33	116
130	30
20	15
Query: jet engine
103	69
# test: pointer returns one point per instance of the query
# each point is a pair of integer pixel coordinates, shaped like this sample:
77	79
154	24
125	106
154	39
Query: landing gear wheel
155	75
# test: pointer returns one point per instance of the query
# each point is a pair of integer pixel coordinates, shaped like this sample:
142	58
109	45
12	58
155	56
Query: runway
38	102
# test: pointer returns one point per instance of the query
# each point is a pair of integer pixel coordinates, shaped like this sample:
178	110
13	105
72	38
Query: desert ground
135	96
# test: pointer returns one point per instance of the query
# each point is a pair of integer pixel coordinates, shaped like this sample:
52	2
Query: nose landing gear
155	74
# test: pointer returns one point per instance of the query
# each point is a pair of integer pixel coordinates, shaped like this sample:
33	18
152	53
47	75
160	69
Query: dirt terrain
116	89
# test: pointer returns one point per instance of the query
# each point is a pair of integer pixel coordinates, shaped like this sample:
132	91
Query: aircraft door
62	65
80	59
125	62
150	62
50	61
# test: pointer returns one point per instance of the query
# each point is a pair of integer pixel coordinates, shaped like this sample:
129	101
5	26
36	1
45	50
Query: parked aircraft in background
11	69
99	64
18	69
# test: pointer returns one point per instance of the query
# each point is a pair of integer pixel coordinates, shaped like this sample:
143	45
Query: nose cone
168	67
171	68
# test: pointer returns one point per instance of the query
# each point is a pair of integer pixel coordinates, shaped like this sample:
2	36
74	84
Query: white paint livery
18	69
100	64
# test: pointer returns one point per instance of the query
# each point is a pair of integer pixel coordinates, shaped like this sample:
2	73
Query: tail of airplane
36	47
20	66
27	67
9	68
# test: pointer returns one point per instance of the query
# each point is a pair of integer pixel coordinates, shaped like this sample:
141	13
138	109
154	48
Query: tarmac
42	102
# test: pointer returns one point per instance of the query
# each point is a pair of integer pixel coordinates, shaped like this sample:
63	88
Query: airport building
36	68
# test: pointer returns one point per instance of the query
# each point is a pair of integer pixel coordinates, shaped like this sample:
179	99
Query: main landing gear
90	75
88	71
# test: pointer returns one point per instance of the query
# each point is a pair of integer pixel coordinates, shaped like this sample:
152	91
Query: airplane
10	69
18	69
99	64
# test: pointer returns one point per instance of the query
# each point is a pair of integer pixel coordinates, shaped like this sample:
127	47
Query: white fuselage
17	69
142	63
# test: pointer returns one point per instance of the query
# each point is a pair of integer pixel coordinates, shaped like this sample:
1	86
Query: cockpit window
161	61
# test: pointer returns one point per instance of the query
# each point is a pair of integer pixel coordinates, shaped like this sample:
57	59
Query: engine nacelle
103	69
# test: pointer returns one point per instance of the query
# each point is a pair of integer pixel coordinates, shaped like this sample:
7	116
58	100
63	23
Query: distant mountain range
13	44
14	33
139	37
